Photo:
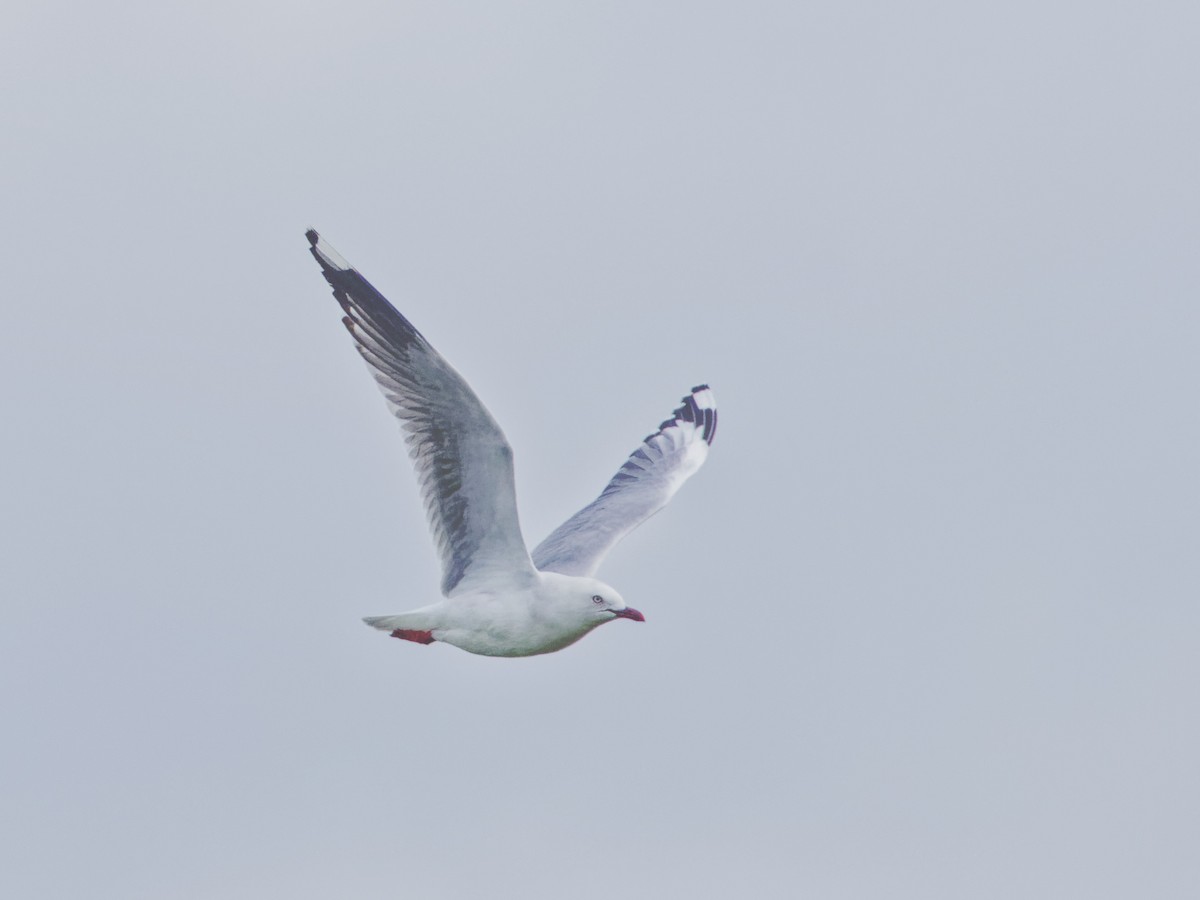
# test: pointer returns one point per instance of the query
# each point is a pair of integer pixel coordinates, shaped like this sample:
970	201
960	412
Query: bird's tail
410	626
391	623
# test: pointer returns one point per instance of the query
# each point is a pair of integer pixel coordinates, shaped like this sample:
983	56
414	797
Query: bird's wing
649	478
463	462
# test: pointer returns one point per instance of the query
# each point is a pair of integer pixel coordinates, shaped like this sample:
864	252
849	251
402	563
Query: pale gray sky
925	626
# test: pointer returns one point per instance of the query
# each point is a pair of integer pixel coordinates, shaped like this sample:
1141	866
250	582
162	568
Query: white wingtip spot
328	255
704	398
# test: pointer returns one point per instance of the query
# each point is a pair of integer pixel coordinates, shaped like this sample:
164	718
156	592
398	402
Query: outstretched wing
463	462
649	478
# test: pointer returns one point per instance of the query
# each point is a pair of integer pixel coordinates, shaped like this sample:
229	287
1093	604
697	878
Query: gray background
924	626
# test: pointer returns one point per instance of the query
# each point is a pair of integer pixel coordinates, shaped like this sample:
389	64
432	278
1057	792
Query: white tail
391	623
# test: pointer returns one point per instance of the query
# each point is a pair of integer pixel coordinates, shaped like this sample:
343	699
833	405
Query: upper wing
649	478
463	462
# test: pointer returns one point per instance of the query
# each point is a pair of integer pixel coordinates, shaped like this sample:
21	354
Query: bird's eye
596	598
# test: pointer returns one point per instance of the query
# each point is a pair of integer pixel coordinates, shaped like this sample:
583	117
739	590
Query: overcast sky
926	624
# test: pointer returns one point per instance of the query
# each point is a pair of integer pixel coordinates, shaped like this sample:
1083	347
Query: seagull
500	600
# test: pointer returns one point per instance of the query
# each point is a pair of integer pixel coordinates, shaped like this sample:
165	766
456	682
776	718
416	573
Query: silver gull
500	600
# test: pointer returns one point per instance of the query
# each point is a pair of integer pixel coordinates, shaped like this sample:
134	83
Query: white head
586	602
602	602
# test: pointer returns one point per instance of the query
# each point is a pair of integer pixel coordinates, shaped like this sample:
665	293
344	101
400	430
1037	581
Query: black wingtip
703	416
330	260
690	411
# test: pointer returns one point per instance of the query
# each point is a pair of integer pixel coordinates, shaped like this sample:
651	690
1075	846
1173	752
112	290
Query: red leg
410	634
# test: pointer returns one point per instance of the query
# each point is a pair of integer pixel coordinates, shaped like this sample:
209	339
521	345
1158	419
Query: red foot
409	634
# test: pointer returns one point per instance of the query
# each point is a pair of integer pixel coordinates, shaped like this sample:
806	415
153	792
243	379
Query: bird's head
603	603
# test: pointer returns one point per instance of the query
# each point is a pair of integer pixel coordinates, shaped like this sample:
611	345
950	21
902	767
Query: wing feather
463	461
642	486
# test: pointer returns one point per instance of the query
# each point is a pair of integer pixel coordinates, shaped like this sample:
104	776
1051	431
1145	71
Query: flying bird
500	600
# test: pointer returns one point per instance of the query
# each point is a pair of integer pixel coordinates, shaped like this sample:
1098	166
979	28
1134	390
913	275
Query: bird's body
541	618
499	599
